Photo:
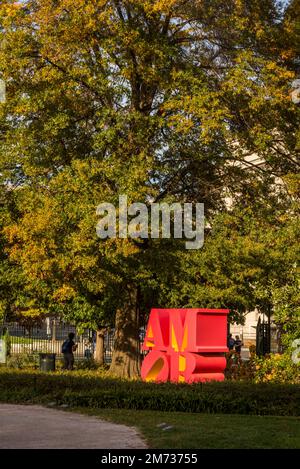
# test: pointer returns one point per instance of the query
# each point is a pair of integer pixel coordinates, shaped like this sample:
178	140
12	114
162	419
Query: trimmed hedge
90	389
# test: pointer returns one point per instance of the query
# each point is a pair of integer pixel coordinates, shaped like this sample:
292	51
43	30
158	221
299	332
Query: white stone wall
247	332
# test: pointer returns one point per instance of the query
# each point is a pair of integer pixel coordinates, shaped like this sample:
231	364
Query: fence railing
49	337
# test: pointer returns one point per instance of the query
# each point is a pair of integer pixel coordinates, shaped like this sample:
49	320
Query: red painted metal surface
185	345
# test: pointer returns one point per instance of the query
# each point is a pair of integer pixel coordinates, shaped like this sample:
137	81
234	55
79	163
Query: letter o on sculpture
155	367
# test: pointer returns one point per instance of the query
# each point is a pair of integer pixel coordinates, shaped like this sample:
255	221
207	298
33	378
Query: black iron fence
49	336
263	338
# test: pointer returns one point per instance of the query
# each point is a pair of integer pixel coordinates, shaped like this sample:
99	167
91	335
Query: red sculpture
185	345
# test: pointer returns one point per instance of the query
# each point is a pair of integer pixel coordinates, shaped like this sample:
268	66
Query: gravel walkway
32	427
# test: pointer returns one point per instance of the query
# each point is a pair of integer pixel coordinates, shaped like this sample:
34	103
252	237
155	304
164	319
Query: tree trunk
99	350
126	354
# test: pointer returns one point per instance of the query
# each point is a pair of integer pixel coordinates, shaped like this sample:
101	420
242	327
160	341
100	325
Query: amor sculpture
185	345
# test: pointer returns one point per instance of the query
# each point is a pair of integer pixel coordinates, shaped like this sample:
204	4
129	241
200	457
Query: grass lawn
201	431
26	340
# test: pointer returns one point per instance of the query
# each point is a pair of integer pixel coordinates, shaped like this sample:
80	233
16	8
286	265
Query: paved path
39	427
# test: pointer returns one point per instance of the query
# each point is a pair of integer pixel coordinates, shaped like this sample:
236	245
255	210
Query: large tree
157	100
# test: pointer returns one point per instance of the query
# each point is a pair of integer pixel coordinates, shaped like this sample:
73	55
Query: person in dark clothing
68	348
230	342
238	344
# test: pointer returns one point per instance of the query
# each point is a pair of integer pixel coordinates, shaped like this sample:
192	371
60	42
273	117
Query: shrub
93	389
88	364
31	361
237	369
23	361
276	369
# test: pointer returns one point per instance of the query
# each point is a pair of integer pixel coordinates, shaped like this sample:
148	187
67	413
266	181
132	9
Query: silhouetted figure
68	347
238	344
230	342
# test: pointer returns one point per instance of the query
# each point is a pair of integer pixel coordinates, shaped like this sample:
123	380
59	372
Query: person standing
230	342
238	345
68	347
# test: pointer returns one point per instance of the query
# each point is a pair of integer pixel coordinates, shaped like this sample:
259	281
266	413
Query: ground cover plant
94	389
